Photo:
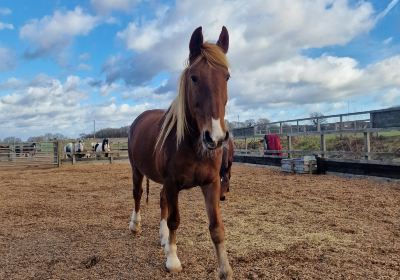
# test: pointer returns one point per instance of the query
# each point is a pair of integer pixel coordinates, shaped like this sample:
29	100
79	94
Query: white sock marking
164	232
173	264
134	224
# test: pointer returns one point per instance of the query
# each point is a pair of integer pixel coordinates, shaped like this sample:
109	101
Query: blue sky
65	63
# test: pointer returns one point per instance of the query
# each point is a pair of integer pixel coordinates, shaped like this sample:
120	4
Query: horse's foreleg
211	194
164	231
173	264
135	223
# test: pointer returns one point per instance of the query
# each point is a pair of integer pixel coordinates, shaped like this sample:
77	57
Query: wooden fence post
367	145
289	141
59	152
323	145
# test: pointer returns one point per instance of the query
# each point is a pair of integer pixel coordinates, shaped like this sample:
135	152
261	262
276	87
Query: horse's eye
227	77
194	78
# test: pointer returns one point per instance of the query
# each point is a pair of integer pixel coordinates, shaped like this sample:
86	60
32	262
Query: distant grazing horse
103	147
78	149
182	147
26	150
225	171
5	152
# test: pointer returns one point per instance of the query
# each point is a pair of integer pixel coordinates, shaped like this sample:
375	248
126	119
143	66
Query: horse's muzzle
210	143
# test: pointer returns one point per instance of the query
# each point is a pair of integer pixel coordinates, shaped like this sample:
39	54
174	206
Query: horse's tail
147	190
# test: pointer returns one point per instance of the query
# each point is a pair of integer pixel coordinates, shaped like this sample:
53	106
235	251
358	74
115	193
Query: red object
274	143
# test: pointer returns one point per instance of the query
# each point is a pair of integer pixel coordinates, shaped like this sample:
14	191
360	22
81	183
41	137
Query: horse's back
142	139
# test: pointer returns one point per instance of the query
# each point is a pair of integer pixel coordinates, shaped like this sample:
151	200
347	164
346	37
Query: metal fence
363	123
29	154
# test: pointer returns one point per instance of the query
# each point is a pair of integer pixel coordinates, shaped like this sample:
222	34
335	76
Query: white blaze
216	130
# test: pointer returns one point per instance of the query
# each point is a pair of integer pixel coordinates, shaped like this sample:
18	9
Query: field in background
72	222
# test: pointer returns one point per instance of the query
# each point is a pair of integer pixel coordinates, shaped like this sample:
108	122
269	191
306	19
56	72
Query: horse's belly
142	139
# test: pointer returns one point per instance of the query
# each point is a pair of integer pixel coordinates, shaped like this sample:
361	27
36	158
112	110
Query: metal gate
29	154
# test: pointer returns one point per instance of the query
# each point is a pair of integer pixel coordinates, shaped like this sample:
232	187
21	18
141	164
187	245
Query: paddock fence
367	130
44	154
29	154
118	151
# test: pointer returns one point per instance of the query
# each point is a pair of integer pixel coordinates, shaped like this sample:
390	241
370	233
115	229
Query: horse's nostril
226	136
207	137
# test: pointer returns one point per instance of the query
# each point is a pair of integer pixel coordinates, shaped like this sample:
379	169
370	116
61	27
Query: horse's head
79	146
106	145
206	81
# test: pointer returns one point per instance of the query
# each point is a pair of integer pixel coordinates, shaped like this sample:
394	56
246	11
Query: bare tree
317	117
12	139
250	122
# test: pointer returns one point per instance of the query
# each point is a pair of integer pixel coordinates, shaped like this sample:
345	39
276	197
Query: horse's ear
195	44
223	41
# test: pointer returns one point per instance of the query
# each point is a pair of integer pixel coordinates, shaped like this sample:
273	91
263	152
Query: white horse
70	149
103	147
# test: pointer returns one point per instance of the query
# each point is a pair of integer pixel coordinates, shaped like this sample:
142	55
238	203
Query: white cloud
7	58
84	67
84	56
387	10
267	41
390	98
52	34
107	6
5	11
6	26
46	104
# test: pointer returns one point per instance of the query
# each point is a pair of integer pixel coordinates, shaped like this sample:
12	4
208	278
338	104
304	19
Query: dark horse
226	165
182	147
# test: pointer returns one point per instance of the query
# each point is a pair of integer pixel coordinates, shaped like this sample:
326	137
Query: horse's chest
190	175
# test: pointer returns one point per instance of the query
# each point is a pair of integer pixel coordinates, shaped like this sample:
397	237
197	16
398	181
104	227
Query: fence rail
28	154
365	123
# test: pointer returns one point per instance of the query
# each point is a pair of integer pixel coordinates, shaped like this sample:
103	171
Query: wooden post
73	153
280	128
341	123
289	141
318	125
323	145
245	145
111	158
59	152
298	128
367	145
341	126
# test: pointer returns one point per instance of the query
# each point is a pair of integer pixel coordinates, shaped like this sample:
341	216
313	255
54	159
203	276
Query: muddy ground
72	223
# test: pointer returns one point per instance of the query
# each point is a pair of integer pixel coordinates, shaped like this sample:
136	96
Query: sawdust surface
72	223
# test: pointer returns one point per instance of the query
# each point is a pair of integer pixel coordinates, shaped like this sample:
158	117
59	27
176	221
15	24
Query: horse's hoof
135	227
227	274
173	265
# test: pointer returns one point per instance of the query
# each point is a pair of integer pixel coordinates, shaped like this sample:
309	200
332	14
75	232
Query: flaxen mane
175	115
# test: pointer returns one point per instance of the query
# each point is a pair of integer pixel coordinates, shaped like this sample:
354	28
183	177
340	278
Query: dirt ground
72	223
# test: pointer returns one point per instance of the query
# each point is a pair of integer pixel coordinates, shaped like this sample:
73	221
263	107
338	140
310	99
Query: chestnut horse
182	147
